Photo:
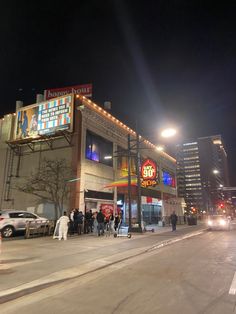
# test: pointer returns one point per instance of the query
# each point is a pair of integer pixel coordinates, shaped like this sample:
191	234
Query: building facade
95	145
202	171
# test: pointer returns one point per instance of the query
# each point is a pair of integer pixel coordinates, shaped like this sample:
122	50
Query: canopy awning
122	182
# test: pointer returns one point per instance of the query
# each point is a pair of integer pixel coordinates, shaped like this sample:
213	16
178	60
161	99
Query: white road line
232	289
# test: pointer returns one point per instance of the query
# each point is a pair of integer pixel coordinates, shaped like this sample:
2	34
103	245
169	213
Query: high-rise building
202	171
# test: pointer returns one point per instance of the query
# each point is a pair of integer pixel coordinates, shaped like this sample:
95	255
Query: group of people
96	222
77	223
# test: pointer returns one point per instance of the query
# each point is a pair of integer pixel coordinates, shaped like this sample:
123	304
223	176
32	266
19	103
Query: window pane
98	149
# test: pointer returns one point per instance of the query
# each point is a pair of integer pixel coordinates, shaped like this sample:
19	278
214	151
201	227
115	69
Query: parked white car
15	220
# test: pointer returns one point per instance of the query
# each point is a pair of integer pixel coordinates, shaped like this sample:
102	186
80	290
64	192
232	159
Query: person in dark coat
100	220
76	212
116	222
173	220
80	219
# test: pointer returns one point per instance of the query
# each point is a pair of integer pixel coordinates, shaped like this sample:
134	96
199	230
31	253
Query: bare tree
50	183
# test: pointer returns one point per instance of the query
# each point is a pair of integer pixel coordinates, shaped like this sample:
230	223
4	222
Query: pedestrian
116	222
173	220
91	220
87	221
71	228
111	225
76	212
100	220
95	223
80	219
63	222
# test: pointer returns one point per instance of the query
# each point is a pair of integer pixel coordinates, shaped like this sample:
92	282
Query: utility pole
139	202
129	183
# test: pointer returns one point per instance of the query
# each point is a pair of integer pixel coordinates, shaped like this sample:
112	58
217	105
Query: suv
15	220
219	222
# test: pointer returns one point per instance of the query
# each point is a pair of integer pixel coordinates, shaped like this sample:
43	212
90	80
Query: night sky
159	62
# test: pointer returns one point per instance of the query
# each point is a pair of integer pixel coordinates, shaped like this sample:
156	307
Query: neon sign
148	173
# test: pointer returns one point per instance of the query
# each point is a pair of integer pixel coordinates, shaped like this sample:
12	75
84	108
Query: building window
168	179
98	149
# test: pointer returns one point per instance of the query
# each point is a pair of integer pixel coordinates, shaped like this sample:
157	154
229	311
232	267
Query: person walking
63	222
173	220
100	220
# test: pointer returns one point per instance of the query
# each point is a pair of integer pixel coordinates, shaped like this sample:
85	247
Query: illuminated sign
84	90
148	173
107	210
44	118
54	115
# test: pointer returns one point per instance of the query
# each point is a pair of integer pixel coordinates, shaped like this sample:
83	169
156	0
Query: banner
84	90
44	118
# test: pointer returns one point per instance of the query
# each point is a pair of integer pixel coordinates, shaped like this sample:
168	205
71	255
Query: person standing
76	212
95	223
71	229
173	220
111	225
87	221
116	222
100	220
80	219
63	222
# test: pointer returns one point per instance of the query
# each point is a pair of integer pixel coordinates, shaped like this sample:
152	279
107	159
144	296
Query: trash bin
192	220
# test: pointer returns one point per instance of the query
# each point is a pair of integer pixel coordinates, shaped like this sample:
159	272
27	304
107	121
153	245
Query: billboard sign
44	118
148	173
84	90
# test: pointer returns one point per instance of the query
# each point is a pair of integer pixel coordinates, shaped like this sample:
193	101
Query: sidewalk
32	264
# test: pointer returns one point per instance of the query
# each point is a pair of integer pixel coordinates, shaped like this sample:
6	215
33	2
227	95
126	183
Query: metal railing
39	228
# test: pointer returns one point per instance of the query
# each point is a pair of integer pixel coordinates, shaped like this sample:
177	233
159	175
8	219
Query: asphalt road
194	275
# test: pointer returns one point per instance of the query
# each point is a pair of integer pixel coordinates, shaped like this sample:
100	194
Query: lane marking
232	289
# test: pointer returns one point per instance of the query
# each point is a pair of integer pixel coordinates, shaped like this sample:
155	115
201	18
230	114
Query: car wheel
7	232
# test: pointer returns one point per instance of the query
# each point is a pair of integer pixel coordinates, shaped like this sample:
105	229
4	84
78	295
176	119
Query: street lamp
169	132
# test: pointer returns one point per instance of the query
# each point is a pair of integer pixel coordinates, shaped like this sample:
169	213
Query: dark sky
159	62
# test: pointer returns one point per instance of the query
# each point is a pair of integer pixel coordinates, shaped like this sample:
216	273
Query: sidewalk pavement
30	265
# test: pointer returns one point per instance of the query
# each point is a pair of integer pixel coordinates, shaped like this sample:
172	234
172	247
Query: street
191	275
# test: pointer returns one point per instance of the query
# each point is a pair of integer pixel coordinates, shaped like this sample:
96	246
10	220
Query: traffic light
221	205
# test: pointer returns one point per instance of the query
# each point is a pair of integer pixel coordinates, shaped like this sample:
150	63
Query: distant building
202	171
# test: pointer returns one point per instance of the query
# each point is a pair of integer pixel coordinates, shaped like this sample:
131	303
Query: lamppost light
168	132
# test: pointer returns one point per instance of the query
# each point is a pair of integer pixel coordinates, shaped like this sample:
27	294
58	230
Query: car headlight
222	222
209	223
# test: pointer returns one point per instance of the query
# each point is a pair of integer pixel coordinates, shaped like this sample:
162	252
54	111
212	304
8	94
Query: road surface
194	275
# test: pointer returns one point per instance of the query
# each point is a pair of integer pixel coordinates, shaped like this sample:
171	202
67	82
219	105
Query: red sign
107	209
84	90
148	173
